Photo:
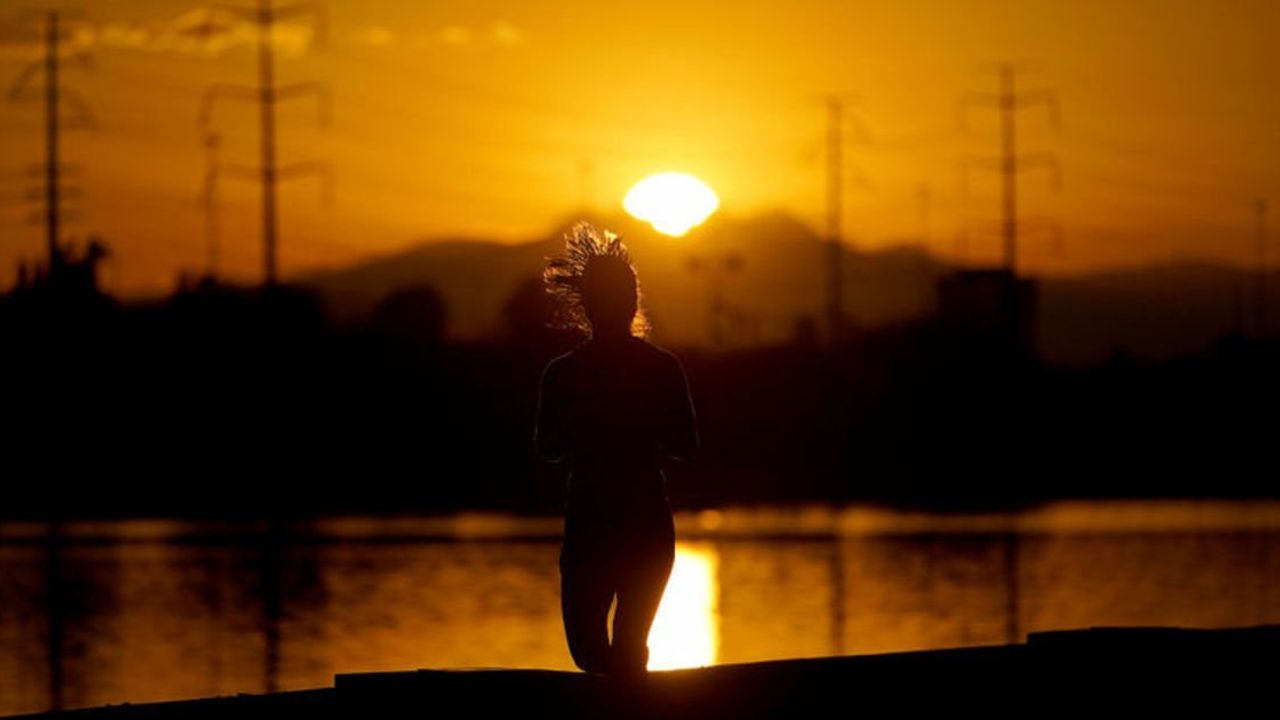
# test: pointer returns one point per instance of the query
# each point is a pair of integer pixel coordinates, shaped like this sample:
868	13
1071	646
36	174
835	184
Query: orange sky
475	118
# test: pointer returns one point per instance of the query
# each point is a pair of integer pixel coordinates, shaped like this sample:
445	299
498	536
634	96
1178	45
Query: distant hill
473	276
776	280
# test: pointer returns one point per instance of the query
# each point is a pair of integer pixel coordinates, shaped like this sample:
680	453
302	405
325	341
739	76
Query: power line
267	93
1171	159
1007	102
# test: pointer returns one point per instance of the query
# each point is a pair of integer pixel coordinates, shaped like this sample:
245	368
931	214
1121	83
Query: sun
671	202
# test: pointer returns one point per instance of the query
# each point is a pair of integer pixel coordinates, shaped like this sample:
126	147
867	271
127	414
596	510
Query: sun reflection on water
686	632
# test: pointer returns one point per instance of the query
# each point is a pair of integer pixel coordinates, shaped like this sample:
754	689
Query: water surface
107	612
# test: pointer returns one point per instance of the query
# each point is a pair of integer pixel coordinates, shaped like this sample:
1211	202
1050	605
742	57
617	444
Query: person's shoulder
562	363
659	355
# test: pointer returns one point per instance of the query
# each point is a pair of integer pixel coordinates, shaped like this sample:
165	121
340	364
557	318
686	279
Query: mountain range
765	277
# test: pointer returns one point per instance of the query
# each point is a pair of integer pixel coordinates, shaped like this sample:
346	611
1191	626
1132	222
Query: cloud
454	35
504	33
374	36
206	32
500	34
210	32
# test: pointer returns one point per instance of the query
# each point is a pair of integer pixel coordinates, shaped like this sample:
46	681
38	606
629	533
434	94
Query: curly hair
589	253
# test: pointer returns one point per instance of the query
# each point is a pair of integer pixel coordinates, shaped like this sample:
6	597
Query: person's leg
642	580
585	595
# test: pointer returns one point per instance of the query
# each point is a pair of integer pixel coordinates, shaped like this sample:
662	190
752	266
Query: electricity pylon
209	201
266	94
53	96
1008	101
1260	275
835	206
837	117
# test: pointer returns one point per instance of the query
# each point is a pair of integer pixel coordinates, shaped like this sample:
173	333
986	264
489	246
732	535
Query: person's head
595	285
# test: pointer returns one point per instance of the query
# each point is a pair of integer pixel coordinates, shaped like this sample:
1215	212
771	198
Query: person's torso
616	394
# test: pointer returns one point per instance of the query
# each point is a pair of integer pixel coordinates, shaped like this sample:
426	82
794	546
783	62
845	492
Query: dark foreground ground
1102	671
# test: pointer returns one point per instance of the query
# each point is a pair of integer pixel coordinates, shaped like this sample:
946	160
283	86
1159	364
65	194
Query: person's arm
551	429
680	439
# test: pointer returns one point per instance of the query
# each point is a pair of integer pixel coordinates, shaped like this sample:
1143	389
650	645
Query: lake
142	610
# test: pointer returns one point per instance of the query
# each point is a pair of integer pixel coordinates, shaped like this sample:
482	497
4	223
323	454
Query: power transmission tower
924	215
587	187
266	93
53	96
209	200
835	206
716	270
1007	102
838	119
1260	276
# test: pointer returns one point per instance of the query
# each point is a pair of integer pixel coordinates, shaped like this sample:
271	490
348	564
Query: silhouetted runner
613	407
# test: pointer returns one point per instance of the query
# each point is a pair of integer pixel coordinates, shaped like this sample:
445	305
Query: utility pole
1007	102
51	136
924	207
716	270
837	120
267	113
212	228
52	98
835	203
1260	276
924	231
267	94
587	187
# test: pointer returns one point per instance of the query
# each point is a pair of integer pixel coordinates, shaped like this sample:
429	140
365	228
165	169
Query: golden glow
686	632
671	202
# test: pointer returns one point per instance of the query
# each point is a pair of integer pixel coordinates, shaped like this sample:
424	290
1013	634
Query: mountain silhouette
767	273
766	268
